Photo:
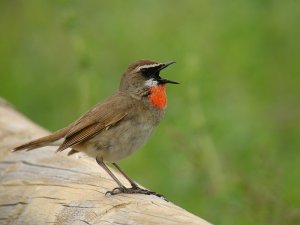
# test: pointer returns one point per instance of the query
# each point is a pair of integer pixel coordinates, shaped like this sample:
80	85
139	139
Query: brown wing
100	118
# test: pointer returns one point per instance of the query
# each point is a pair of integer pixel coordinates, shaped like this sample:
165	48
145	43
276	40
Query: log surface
43	187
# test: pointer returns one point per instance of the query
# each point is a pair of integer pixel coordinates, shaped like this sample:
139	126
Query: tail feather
43	141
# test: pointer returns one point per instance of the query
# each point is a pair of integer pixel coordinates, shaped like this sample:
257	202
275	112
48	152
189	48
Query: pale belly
117	142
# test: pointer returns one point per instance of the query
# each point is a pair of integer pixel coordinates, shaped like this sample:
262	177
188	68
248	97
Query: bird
117	127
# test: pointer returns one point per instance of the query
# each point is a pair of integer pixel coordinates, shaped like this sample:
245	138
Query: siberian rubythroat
120	125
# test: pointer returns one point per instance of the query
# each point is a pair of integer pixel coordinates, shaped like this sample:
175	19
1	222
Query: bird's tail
56	138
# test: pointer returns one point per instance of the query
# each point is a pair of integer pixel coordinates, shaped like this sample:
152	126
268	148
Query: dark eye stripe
148	72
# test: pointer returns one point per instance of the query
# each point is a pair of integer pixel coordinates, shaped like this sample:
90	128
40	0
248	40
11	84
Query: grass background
228	148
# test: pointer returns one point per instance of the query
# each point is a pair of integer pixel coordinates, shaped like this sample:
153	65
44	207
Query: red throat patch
158	96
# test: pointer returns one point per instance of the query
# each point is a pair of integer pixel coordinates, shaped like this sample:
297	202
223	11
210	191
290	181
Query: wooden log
43	187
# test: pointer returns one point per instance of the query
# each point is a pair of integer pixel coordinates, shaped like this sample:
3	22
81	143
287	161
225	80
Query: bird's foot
134	190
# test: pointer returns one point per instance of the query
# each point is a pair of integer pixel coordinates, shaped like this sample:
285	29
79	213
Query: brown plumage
43	141
118	126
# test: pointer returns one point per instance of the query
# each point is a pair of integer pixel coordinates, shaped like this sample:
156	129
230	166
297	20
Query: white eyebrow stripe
148	66
151	83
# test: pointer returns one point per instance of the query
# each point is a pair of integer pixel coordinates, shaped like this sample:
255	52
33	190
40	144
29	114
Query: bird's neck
158	96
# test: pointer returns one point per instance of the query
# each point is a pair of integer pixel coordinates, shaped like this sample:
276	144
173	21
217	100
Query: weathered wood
41	187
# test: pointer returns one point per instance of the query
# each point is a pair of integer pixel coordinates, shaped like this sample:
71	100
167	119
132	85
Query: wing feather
100	118
88	133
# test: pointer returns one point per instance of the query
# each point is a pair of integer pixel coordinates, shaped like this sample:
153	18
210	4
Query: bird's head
142	78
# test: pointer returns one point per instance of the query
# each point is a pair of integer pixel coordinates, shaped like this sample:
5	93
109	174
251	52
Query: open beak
165	81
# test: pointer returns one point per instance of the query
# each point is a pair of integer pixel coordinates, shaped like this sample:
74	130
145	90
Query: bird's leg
133	184
135	189
116	190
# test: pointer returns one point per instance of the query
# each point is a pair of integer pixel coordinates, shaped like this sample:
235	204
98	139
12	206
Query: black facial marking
150	72
153	70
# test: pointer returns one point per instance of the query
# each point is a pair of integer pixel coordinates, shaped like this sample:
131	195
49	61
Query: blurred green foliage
228	148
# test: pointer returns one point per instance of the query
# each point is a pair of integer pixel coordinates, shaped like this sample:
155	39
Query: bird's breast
158	96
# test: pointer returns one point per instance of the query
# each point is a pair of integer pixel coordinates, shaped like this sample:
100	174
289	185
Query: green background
228	147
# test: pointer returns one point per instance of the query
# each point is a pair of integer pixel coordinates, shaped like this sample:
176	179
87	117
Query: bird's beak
165	81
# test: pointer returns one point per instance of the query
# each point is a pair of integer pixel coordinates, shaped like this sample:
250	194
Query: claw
116	191
134	190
